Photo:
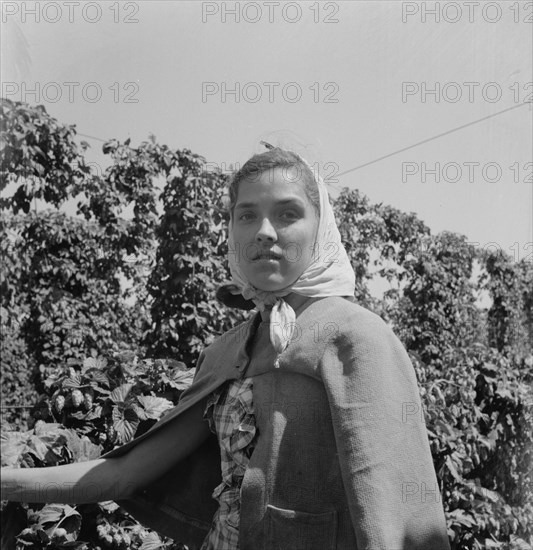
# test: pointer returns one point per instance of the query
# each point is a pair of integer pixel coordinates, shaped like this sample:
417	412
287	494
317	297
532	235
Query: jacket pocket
295	530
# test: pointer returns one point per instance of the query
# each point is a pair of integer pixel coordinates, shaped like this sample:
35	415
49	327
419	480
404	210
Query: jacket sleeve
382	444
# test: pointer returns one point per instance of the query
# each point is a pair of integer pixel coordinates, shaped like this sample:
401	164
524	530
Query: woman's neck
293	299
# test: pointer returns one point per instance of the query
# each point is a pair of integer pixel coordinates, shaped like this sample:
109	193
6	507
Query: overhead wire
403	149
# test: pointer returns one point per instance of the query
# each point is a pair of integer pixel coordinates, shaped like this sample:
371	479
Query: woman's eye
290	215
246	216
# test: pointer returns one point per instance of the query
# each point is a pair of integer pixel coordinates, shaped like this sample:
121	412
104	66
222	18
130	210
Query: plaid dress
229	412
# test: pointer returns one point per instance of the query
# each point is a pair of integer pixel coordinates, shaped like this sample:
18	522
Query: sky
420	105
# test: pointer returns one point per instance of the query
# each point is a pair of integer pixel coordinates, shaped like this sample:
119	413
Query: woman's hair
269	160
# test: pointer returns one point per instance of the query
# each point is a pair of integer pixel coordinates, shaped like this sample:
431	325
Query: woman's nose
266	232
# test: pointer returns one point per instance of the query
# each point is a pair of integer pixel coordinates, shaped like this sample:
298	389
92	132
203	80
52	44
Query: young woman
296	432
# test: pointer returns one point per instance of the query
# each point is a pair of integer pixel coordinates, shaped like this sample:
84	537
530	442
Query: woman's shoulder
346	323
345	312
353	331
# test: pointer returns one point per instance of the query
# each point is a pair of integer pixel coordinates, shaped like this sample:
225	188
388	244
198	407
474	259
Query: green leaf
60	516
13	445
109	506
120	395
95	363
453	470
154	407
51	513
125	422
93	414
81	448
46	448
97	376
151	542
178	379
72	382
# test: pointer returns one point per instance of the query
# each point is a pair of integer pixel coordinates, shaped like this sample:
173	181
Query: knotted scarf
329	273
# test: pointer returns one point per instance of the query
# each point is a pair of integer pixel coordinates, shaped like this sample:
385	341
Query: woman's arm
110	478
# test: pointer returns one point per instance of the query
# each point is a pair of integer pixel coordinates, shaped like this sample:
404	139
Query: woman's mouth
267	257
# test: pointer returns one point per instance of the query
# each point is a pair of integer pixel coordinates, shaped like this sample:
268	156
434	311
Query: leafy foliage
38	153
437	308
89	408
478	412
190	262
511	313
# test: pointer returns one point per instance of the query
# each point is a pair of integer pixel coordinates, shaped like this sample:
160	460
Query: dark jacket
341	462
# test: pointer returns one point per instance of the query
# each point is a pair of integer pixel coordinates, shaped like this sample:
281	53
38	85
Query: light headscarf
328	274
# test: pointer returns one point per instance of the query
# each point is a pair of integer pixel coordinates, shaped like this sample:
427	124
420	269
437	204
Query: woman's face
274	229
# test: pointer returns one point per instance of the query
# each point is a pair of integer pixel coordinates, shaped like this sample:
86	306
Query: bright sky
346	83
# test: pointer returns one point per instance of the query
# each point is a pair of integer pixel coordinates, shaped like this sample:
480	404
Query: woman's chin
268	287
269	277
268	284
271	284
